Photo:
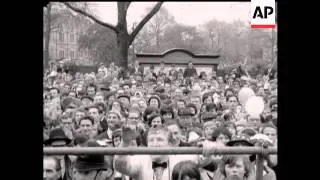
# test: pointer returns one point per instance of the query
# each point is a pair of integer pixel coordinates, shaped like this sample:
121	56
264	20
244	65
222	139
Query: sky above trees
188	13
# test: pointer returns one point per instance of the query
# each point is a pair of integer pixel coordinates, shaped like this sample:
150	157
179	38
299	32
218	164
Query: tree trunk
123	46
47	37
122	35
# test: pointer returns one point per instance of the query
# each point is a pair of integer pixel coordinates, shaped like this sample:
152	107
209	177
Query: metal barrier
260	151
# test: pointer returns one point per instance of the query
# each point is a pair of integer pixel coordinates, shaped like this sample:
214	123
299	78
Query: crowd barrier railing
259	151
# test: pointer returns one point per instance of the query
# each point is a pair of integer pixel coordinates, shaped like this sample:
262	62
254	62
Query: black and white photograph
158	91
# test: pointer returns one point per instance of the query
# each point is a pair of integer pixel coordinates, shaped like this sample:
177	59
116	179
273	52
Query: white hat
261	137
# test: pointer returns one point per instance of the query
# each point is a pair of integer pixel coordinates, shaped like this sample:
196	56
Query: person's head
93	167
211	108
185	117
167	112
86	125
79	114
134	116
181	103
235	165
203	108
175	130
207	98
125	100
192	108
159	136
196	100
142	104
260	91
254	121
95	112
91	90
126	87
154	101
72	94
67	87
271	131
86	100
186	170
232	102
155	120
178	92
99	98
66	122
220	80
51	168
55	92
228	92
148	112
232	128
221	135
236	84
116	105
208	128
190	64
113	120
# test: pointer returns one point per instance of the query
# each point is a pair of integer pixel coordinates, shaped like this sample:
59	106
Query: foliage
102	43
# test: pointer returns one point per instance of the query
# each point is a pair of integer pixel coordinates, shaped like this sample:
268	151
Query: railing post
259	164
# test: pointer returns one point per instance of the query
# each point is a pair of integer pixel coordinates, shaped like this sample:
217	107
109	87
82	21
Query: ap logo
263	14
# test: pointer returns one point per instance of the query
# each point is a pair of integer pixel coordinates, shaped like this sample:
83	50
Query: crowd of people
172	107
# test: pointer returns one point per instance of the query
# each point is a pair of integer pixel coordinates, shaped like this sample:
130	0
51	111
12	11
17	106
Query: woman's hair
148	111
232	159
206	96
190	105
211	106
165	109
155	97
186	168
226	91
221	130
151	118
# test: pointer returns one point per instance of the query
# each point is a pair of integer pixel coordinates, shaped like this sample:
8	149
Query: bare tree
124	39
159	23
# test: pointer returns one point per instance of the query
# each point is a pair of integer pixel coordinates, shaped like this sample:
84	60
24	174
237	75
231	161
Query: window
72	54
71	37
61	54
61	36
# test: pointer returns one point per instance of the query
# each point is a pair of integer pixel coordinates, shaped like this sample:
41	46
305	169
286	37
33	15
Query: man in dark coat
190	71
58	138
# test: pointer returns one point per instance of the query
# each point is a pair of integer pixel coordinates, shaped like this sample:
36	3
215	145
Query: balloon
244	94
254	106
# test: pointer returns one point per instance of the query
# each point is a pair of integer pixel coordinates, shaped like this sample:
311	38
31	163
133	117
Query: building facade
67	29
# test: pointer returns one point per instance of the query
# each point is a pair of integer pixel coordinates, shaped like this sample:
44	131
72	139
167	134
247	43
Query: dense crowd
172	107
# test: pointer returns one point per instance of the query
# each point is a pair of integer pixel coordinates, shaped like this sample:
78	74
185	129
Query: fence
260	151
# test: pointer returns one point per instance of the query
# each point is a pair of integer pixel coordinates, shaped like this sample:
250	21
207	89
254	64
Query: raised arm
127	164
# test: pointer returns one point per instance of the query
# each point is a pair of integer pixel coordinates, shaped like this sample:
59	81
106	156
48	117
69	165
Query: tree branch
154	10
127	5
91	17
